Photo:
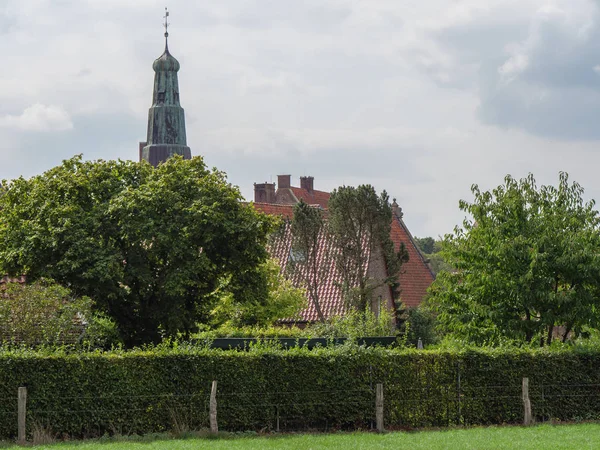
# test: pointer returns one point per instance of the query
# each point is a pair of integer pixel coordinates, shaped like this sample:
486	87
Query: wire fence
297	410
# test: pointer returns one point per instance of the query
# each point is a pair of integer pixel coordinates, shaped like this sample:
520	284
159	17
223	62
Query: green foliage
355	324
101	332
426	244
526	265
360	222
437	263
248	331
283	301
144	391
557	436
41	314
149	245
420	324
431	250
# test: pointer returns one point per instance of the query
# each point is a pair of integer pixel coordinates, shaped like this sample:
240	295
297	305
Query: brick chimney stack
307	183
264	192
284	181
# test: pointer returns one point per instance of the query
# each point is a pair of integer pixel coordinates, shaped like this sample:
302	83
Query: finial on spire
166	23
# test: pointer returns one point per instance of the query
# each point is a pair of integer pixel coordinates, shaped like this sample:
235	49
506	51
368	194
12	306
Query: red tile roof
275	209
416	276
313	197
328	286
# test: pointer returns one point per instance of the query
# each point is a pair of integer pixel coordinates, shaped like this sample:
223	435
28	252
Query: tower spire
166	121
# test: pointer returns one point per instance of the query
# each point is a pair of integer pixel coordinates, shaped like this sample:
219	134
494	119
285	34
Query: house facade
279	200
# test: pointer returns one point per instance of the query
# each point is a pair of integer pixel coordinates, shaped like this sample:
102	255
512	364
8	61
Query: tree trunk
567	331
528	332
549	336
314	285
315	299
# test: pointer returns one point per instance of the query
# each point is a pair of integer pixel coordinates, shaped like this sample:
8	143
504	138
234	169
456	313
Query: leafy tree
149	245
431	250
526	265
437	263
309	242
41	313
360	224
426	244
283	301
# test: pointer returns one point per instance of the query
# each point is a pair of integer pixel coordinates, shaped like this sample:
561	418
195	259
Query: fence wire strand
293	410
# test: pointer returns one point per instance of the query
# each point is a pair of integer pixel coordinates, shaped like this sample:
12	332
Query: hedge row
160	390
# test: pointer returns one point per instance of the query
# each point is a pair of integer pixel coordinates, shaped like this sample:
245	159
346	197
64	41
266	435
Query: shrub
355	324
102	333
282	301
272	331
420	324
42	313
142	391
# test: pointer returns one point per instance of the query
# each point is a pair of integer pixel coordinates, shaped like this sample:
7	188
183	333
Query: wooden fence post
526	403
214	428
379	406
459	420
22	415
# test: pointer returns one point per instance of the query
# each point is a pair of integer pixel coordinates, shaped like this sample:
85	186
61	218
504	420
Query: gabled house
415	276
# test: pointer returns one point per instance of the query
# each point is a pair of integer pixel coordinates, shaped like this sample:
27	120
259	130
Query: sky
420	98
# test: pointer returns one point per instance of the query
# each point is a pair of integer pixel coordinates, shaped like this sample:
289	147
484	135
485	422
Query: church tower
166	119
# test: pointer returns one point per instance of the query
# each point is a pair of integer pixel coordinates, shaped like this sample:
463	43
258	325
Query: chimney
283	181
307	183
264	192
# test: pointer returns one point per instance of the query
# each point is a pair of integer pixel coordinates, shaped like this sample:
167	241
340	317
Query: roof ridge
414	244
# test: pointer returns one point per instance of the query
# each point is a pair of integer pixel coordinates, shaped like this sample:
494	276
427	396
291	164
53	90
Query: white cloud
514	66
351	91
273	141
39	117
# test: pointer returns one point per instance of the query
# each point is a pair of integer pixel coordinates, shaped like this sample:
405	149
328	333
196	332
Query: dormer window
297	256
161	97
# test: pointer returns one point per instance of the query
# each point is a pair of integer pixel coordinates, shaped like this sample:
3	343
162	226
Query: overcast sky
421	98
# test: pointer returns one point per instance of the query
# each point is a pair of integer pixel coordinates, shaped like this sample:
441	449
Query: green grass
579	436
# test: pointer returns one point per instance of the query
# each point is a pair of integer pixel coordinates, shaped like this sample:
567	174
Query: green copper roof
166	119
166	62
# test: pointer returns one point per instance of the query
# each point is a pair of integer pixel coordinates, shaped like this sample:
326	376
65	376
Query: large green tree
360	223
148	245
526	265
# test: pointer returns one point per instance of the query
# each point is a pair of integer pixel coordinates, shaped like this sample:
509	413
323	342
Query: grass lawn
579	436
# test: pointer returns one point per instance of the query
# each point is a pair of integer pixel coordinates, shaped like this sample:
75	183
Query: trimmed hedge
164	389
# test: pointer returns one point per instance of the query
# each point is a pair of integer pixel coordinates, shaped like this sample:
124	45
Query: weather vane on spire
166	23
